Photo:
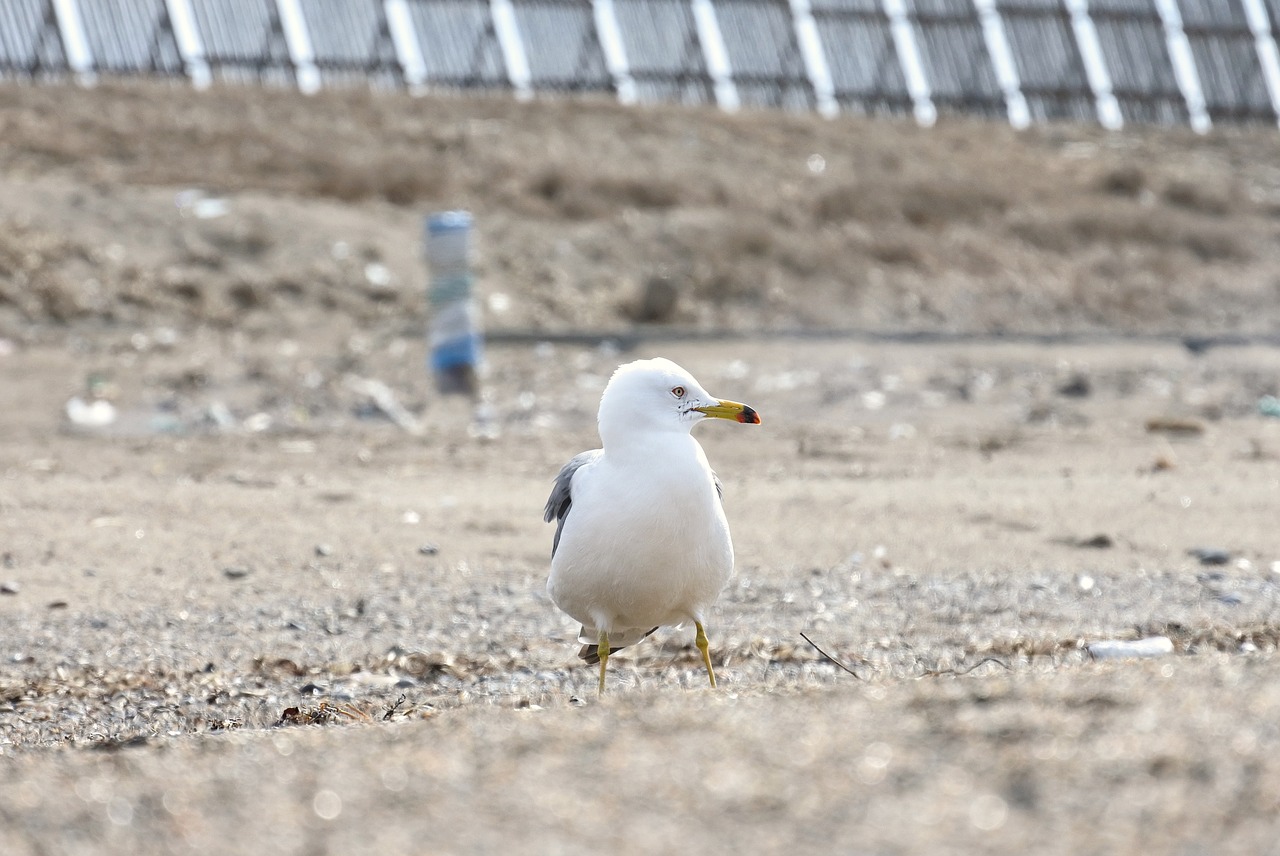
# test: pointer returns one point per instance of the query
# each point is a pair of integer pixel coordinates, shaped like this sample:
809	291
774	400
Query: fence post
1002	62
405	39
1095	65
75	44
614	49
190	46
1265	44
1184	64
714	54
904	40
513	55
815	61
298	39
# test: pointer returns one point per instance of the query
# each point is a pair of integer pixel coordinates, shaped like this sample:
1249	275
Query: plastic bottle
454	338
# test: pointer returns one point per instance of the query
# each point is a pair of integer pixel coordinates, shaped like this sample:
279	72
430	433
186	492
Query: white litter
97	413
1114	649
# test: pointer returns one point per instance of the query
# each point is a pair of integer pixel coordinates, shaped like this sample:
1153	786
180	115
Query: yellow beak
731	410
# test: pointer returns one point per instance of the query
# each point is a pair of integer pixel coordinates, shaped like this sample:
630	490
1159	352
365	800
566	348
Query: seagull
641	537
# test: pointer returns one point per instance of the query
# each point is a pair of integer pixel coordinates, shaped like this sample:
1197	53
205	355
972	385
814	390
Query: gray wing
560	500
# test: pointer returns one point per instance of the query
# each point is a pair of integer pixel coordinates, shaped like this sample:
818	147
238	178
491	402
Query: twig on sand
381	396
391	708
829	657
938	673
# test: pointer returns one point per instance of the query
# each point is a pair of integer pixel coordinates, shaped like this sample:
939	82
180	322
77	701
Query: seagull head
658	395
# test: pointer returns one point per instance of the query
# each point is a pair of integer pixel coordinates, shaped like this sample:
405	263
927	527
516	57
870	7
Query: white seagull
641	540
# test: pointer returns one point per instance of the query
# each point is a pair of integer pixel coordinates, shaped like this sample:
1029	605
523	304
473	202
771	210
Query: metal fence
1168	62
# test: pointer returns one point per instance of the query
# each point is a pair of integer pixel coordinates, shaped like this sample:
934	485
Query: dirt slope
753	221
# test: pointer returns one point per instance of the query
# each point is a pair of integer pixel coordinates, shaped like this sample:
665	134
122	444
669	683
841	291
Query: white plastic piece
97	413
1114	649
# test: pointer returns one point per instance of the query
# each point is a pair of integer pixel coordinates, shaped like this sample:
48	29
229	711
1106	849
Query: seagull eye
677	391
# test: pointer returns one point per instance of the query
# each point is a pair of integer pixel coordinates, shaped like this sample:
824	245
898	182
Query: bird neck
626	441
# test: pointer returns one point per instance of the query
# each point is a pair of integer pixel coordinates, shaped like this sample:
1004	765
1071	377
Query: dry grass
1205	196
576	193
861	202
1124	180
1120	223
1006	228
936	203
402	179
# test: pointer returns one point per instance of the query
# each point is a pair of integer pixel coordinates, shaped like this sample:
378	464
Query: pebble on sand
1210	555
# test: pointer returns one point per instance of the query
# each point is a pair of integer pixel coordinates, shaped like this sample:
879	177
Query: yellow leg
603	650
701	641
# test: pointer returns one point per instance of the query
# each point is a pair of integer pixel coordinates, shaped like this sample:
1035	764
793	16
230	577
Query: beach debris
384	400
378	275
1076	386
258	423
1176	425
1210	555
90	413
219	415
1114	649
830	658
194	203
